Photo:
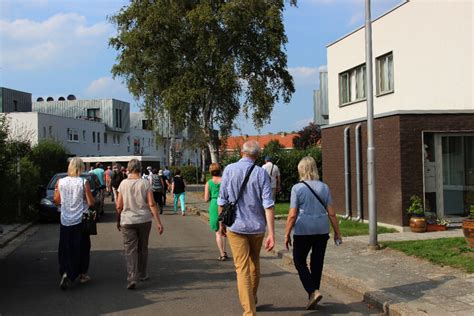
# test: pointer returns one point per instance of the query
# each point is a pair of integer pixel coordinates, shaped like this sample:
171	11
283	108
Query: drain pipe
347	175
358	173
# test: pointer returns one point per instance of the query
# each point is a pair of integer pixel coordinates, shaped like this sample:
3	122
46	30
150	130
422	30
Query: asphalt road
186	278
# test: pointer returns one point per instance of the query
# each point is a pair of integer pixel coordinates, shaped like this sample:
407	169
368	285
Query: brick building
424	113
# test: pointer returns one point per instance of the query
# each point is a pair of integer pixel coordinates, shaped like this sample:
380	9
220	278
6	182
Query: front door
457	169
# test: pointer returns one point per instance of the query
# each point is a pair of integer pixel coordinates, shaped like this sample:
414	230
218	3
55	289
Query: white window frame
384	69
72	135
353	81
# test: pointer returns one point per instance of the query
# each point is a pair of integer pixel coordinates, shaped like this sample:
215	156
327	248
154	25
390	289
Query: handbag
227	216
89	224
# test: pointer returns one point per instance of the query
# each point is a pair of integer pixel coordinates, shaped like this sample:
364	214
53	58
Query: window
93	137
44	131
118	118
118	139
15	106
84	136
352	85
50	130
72	135
105	138
98	137
93	113
384	70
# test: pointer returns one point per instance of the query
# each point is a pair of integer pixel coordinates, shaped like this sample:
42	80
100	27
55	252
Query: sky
60	47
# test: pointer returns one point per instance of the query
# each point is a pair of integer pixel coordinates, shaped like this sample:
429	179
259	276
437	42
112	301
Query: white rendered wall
432	45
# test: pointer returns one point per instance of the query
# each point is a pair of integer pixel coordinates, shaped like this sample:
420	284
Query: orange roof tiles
286	140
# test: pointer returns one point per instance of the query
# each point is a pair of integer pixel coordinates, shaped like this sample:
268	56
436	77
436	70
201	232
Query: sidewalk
11	231
388	279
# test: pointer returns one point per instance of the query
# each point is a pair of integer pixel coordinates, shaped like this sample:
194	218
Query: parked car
49	211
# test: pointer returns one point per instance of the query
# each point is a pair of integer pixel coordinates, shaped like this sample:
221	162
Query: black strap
271	171
247	176
319	199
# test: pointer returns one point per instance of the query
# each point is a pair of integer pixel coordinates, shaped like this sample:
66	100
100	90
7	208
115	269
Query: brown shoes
314	299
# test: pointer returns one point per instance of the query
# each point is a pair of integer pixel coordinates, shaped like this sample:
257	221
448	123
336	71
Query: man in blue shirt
254	211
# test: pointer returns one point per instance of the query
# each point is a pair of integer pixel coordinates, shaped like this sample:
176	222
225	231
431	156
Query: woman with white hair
74	194
310	207
136	207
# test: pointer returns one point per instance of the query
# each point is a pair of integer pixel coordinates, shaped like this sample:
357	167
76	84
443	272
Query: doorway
449	173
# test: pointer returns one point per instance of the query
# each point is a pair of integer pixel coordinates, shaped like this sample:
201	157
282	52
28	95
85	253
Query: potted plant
435	223
417	215
468	227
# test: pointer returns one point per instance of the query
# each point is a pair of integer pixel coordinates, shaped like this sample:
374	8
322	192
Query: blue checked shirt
256	197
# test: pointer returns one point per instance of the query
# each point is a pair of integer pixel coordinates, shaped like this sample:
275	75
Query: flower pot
435	227
468	230
417	224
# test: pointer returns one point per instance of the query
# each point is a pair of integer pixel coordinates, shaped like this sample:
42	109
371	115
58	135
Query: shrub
50	157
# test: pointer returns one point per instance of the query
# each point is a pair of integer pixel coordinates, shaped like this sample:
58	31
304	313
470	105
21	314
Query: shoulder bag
89	224
227	216
314	193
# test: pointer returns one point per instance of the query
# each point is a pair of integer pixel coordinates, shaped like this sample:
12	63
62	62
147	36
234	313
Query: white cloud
302	123
304	75
61	39
106	87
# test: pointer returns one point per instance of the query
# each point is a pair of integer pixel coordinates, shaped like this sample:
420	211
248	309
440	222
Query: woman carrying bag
74	195
310	208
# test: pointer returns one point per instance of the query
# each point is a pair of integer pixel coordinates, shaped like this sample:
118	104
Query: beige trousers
135	241
246	254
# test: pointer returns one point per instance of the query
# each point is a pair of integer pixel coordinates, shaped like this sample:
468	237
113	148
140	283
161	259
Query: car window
53	181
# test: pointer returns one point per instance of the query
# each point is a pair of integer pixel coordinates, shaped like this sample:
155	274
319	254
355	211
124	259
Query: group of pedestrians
311	211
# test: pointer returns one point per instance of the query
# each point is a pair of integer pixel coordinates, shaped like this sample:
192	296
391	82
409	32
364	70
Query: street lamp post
370	131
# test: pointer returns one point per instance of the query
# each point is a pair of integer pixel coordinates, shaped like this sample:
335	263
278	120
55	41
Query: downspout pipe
358	172
347	174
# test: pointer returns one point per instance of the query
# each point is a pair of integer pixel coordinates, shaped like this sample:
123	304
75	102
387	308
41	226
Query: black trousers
302	244
158	196
74	251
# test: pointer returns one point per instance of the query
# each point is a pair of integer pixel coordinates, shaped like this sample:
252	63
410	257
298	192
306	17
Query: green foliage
198	60
307	137
471	212
286	160
188	173
50	157
416	207
444	251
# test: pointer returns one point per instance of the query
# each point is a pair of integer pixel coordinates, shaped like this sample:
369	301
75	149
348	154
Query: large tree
204	61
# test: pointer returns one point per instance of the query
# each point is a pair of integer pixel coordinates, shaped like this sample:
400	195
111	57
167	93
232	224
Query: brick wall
399	160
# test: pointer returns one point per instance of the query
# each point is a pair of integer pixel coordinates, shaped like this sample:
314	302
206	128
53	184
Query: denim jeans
302	244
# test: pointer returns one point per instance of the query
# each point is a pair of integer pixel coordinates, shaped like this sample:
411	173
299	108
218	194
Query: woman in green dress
211	193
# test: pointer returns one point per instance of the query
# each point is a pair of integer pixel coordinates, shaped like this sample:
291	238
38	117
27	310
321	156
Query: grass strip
452	252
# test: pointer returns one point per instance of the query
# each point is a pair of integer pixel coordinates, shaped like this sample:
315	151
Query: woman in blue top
309	216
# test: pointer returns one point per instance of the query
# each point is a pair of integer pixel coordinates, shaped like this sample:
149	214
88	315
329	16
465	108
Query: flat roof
118	158
363	26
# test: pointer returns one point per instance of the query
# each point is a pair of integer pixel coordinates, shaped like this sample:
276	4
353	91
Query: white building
424	111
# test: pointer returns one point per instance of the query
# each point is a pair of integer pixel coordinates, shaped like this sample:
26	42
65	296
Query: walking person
108	181
310	207
117	177
274	173
166	185
254	211
157	186
211	193
178	188
74	195
136	208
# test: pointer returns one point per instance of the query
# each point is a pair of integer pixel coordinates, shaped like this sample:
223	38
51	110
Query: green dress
213	211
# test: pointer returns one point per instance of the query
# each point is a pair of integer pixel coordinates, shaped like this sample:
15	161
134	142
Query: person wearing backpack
158	188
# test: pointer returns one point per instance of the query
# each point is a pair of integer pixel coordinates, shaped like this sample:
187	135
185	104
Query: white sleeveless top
73	203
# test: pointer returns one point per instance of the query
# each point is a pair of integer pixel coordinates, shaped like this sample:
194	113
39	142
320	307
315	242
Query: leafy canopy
204	61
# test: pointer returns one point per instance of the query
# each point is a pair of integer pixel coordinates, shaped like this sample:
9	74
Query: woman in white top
135	209
75	197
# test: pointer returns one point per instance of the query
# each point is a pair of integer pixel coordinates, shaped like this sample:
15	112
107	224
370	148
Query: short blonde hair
215	169
307	169
134	166
76	167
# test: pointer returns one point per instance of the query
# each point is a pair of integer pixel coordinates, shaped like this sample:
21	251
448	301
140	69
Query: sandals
224	257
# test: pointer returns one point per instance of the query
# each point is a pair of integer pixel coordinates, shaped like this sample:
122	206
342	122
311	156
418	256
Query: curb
353	286
14	233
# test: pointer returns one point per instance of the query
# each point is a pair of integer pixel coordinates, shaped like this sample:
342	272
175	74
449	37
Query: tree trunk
172	148
213	150
203	164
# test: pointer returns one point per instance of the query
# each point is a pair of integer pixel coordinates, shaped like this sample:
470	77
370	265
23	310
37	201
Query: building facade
424	112
14	101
